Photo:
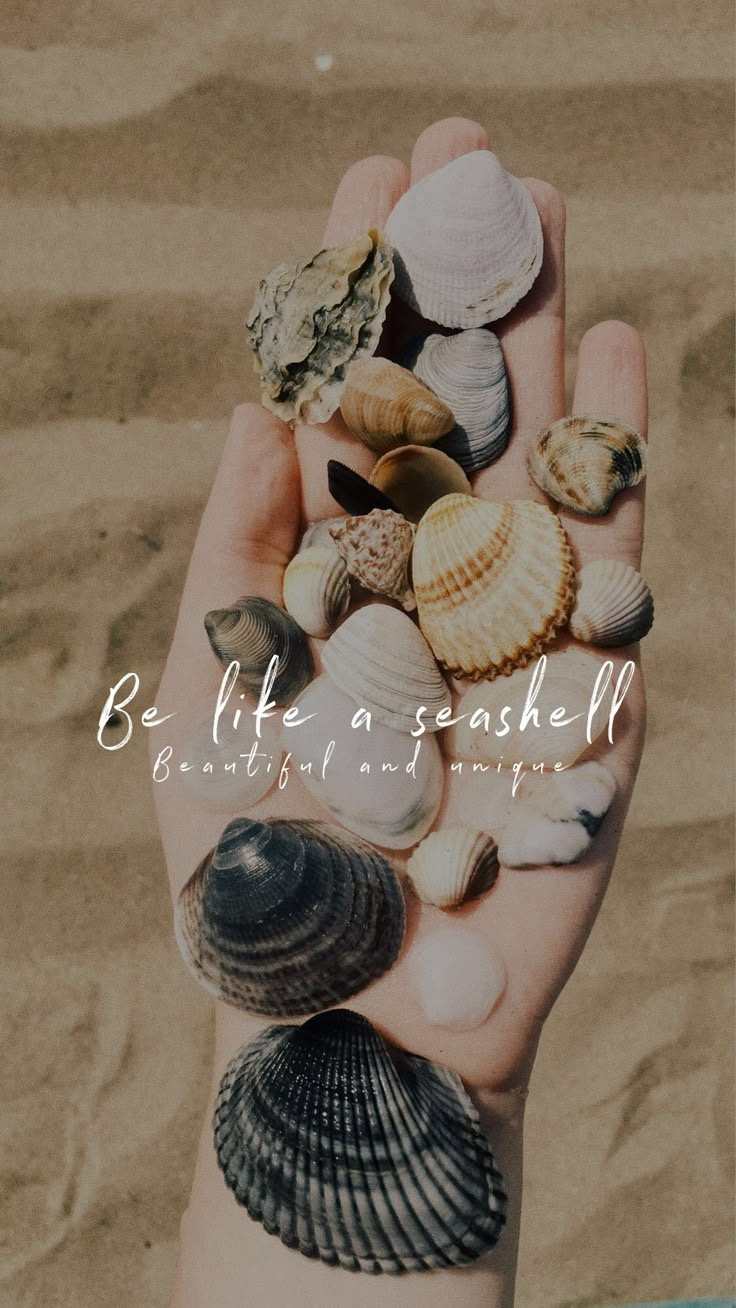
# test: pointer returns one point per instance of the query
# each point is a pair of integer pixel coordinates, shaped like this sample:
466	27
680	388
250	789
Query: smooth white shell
556	823
613	605
453	865
316	589
231	792
456	977
468	373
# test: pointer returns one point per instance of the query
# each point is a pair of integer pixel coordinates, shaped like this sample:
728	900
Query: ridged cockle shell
583	463
613	604
453	865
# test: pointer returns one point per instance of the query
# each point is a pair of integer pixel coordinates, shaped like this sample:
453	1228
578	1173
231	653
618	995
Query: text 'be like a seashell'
234	772
385	406
583	463
494	582
452	866
316	590
381	660
376	548
356	1153
467	242
310	320
251	632
555	824
613	604
352	492
456	977
468	372
414	477
289	917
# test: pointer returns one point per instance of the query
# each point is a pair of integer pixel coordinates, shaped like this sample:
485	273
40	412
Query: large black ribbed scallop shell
250	633
285	918
356	1153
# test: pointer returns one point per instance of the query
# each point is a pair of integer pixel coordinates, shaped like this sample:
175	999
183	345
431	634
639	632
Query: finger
444	141
533	341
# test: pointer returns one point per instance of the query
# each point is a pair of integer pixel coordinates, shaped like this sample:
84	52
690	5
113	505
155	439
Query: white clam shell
556	823
316	590
613	605
221	777
468	373
318	533
381	660
456	977
393	809
467	242
452	866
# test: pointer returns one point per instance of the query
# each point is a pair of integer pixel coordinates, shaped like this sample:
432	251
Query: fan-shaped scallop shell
456	976
289	917
467	371
316	590
493	582
467	242
583	463
414	477
356	1153
309	322
613	604
381	660
555	824
376	548
385	406
251	633
453	865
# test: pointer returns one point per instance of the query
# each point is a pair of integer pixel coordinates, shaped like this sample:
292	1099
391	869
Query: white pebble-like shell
223	791
613	605
316	590
556	823
468	372
456	977
452	866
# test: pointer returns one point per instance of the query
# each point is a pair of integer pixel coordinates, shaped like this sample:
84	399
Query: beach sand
154	162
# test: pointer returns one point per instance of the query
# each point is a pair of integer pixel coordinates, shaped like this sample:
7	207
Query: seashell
251	633
289	917
392	804
356	1153
613	605
452	866
376	548
492	731
386	406
468	372
456	977
310	320
318	533
233	773
556	823
353	493
584	462
381	660
414	477
493	582
467	242
316	590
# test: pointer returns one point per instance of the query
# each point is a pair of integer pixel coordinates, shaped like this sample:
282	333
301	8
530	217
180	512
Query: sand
154	161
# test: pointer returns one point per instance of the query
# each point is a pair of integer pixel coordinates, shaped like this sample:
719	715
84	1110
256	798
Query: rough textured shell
356	1153
385	406
289	917
452	866
556	823
228	791
565	680
310	320
376	548
467	371
389	805
414	477
467	242
316	590
613	604
251	633
493	582
381	660
352	492
584	462
456	977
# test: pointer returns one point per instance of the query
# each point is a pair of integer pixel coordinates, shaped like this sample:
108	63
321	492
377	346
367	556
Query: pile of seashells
287	918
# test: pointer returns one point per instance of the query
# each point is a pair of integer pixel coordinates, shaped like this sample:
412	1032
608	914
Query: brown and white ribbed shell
583	463
613	604
453	865
385	406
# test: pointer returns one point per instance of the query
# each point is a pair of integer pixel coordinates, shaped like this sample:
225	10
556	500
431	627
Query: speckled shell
376	548
456	976
452	866
467	242
494	582
356	1153
467	371
352	492
251	633
316	590
583	463
414	477
210	777
310	320
613	604
289	917
385	406
555	824
381	660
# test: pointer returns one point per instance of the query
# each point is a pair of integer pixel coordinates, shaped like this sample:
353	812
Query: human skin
271	481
